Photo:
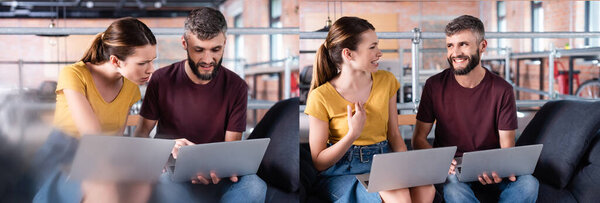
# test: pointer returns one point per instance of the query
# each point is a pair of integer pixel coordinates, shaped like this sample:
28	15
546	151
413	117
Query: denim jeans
57	152
48	170
249	188
339	184
524	189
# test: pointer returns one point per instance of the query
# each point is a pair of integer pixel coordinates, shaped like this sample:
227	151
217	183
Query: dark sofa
280	165
569	167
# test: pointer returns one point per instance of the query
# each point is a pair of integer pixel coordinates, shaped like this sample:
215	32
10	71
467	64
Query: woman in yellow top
93	96
353	114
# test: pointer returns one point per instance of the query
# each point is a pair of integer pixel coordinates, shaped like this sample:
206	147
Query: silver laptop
120	159
408	169
226	159
505	161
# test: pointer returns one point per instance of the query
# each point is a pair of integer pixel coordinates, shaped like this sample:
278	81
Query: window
239	40
275	22
501	12
537	24
592	22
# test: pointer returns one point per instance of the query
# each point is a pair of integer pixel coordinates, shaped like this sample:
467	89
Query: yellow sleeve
395	85
136	95
315	106
71	78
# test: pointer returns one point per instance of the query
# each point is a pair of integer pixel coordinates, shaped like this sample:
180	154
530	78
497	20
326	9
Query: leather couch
569	166
280	165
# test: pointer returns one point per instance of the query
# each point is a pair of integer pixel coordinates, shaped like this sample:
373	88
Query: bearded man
198	101
474	109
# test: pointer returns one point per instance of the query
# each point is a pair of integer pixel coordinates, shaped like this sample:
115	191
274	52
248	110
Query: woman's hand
356	121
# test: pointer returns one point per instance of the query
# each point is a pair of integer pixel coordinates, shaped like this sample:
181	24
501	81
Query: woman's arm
324	157
394	136
84	117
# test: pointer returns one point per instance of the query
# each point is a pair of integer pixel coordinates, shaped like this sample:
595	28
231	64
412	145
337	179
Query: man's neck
472	79
192	76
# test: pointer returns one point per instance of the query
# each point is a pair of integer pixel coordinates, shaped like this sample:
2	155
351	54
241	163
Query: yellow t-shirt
112	115
325	103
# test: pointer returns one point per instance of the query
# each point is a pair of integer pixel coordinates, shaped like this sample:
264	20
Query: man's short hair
206	23
466	22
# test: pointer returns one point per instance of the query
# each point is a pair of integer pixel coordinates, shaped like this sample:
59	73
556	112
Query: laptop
120	159
408	169
226	159
516	161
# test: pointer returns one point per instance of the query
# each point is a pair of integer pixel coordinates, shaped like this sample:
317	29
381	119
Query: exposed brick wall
559	16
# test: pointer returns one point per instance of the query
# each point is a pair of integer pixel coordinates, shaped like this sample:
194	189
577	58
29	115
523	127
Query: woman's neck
352	79
105	71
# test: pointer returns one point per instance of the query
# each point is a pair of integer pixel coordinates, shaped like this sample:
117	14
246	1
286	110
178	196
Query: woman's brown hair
344	33
119	39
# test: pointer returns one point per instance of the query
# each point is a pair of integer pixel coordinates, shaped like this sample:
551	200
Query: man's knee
252	186
456	191
527	184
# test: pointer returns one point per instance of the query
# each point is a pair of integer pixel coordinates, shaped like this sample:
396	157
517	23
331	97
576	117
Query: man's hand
213	179
452	167
178	144
484	179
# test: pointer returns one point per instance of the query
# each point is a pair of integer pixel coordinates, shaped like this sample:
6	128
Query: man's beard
209	76
473	62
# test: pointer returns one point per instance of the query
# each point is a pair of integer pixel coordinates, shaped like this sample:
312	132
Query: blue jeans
48	170
57	153
249	188
524	189
339	184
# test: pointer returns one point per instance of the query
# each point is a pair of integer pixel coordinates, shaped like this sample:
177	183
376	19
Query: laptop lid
516	161
224	158
408	169
120	159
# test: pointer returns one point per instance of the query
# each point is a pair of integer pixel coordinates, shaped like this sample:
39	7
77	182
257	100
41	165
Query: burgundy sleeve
150	106
507	117
425	113
237	116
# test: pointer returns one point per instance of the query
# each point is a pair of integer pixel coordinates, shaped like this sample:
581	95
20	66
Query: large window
537	24
592	22
501	12
275	22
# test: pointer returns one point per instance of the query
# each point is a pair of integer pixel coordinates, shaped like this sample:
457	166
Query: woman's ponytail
324	69
95	54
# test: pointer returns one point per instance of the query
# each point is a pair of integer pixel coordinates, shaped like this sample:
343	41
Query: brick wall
559	16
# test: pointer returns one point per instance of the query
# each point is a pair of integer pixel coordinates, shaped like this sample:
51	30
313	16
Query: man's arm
232	136
144	127
419	139
507	138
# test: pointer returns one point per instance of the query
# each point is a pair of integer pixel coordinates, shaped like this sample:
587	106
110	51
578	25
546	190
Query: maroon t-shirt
468	118
199	113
